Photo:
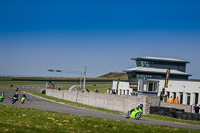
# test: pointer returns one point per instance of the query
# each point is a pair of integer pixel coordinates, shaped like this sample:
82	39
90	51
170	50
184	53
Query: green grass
22	83
170	119
25	120
101	89
44	83
32	82
7	89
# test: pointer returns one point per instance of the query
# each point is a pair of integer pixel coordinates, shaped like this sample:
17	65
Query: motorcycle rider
23	96
1	97
15	95
140	106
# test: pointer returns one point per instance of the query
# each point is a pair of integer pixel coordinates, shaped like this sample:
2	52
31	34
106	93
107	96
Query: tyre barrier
175	113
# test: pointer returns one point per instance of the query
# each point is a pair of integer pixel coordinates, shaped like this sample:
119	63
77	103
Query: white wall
176	86
123	85
185	87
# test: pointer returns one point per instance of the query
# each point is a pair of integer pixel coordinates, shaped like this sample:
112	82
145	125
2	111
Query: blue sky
102	35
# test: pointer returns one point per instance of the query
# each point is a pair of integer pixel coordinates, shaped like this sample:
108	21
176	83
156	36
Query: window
127	92
168	94
138	63
156	86
196	98
188	98
150	86
181	98
174	95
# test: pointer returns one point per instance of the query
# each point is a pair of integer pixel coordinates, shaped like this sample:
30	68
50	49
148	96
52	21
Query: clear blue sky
103	35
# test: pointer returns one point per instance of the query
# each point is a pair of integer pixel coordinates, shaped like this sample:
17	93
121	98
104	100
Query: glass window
138	63
155	88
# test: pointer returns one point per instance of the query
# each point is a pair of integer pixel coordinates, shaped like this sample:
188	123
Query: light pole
73	72
84	77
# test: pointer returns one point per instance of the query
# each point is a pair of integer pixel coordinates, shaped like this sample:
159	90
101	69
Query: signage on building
167	77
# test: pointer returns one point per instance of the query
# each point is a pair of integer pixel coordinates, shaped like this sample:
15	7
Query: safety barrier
175	113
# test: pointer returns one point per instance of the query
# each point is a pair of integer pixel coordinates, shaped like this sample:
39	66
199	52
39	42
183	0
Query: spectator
85	90
161	96
96	91
113	92
109	91
176	101
170	100
82	90
196	109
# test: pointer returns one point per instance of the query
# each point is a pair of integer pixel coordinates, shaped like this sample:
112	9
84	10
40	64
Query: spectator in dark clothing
96	91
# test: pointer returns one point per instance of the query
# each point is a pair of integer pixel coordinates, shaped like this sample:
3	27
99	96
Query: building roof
156	70
160	59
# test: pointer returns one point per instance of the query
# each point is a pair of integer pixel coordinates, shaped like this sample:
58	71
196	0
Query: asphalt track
44	104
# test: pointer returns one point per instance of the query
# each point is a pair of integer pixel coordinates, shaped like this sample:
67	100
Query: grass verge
7	89
169	119
16	119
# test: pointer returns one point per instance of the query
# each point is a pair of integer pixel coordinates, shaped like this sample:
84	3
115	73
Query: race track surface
43	104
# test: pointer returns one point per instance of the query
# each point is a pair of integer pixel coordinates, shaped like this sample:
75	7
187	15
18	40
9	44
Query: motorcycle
23	100
1	98
14	99
135	113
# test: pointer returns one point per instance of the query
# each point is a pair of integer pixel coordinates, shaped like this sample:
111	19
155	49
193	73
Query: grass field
22	83
16	119
44	83
89	85
101	89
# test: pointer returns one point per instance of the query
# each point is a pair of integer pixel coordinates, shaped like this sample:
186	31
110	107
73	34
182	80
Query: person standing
176	101
108	91
170	100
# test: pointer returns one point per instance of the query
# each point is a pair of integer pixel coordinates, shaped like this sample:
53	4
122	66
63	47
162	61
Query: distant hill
114	75
198	80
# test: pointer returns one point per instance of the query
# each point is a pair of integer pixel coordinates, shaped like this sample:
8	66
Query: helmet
140	106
